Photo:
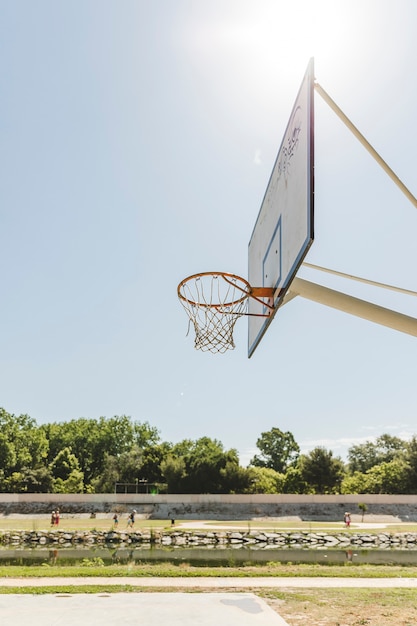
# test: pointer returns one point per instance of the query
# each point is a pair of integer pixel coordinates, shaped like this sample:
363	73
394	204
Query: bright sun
264	52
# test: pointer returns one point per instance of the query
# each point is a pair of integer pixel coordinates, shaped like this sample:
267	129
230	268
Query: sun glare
263	54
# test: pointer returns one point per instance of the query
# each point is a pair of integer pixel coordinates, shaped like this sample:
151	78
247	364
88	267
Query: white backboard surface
284	229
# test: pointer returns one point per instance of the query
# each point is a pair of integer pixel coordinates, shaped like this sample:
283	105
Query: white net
214	301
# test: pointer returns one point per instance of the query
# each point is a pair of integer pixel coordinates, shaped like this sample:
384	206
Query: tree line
87	455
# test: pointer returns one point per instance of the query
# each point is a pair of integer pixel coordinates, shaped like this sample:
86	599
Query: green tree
201	466
321	471
23	451
145	435
388	477
385	448
279	450
73	484
65	468
411	459
123	468
93	440
204	463
7	453
362	457
82	435
355	483
264	480
294	481
64	463
173	470
39	480
363	508
153	456
234	478
109	476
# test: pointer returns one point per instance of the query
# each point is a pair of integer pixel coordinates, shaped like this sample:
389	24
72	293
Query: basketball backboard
284	229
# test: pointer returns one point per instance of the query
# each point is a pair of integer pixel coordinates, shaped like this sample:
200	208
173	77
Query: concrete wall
208	506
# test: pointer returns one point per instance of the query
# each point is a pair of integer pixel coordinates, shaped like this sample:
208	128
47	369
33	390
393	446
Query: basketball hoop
214	301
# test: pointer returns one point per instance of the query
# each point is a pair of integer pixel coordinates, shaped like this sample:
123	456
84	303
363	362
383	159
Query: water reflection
225	555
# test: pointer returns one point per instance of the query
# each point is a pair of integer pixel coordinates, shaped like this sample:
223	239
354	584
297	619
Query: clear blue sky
137	140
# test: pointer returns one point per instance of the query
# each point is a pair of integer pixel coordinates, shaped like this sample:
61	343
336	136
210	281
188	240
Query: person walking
131	519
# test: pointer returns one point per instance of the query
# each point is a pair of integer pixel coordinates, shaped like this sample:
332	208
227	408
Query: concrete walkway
213	606
214	583
138	609
208	525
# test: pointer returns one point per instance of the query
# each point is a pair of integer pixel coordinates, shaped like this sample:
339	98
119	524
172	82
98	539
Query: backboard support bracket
332	104
353	306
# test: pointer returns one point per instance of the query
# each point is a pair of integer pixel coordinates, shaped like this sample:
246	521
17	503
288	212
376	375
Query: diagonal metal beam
332	104
353	306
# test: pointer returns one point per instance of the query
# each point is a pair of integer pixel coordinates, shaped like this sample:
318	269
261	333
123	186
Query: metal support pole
354	306
332	104
408	292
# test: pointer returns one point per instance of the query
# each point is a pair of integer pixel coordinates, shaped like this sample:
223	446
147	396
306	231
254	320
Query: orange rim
228	278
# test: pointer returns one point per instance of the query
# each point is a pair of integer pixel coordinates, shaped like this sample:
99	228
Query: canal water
203	555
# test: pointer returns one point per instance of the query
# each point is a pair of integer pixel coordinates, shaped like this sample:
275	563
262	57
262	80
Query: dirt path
218	526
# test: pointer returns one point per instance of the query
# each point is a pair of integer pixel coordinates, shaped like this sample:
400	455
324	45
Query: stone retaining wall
257	539
209	506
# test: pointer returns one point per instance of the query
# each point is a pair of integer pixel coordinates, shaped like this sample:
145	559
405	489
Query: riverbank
219	538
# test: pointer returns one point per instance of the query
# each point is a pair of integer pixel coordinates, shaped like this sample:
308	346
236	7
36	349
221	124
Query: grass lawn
94	567
299	607
75	522
344	607
105	522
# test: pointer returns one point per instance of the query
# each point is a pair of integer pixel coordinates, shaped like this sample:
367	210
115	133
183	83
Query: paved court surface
134	609
164	608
